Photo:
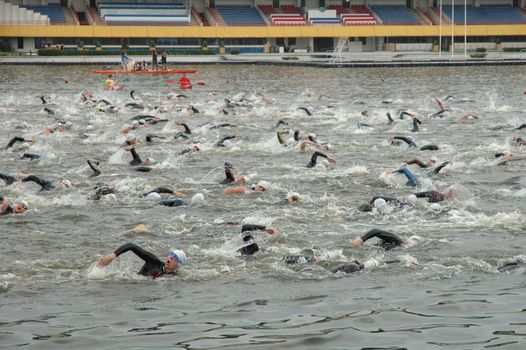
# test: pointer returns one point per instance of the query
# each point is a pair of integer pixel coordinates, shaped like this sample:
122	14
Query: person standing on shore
124	60
154	59
164	57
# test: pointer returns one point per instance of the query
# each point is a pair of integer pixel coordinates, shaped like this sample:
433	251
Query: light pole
452	27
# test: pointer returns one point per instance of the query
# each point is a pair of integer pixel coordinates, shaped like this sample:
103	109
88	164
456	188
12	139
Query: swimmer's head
149	161
123	189
379	203
65	184
131	139
110	197
135	123
153	196
412	241
326	147
448	193
20	207
411	200
195	148
175	259
262	186
294	198
142	122
227	143
432	161
198	198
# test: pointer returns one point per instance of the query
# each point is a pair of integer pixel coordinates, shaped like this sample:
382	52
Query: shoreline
317	60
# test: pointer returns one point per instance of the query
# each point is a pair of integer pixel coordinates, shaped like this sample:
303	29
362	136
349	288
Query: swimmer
251	246
379	202
221	143
93	165
315	156
403	113
179	202
395	141
436	196
229	173
30	156
293	198
522	126
442	110
416	121
100	190
18	208
280	135
160	190
57	127
8	179
467	117
262	186
222	125
151	137
412	179
185	126
518	141
388	240
136	159
134	125
309	113
153	266
281	122
429	164
190	150
18	139
45	185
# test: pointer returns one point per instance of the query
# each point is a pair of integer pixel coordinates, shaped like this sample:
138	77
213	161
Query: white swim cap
135	123
65	183
123	189
411	200
24	204
415	238
130	137
153	196
227	143
110	197
198	198
379	203
320	167
179	256
264	184
149	160
142	121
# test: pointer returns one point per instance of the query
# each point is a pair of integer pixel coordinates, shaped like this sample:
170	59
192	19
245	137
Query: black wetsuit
390	118
523	126
8	210
407	140
250	246
159	190
136	159
30	156
348	267
369	206
389	240
15	140
96	172
153	266
7	178
174	202
306	110
519	141
432	196
44	184
186	129
429	148
229	173
220	143
415	124
314	158
100	190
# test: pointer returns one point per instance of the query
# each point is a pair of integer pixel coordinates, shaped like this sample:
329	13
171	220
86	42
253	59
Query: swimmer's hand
357	242
106	260
331	160
272	230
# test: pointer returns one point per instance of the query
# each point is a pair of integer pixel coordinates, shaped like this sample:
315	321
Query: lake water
446	293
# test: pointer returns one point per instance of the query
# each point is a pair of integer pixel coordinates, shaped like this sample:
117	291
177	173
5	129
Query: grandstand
304	25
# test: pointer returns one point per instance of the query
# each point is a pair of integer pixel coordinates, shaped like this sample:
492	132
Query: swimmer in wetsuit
136	159
18	139
388	240
45	185
160	190
429	164
8	179
251	246
315	156
100	190
18	208
412	178
93	165
435	196
395	141
153	266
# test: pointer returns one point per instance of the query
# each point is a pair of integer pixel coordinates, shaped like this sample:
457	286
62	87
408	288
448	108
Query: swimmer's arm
135	156
440	167
140	252
297	135
5	204
236	190
270	230
385	236
14	140
405	139
417	162
185	126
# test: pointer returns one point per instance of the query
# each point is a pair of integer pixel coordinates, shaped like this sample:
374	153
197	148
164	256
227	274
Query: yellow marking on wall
68	31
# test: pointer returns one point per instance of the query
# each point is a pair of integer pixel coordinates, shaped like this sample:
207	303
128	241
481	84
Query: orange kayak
168	71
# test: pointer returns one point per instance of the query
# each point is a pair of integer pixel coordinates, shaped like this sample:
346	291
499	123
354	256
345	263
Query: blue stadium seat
240	15
396	15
